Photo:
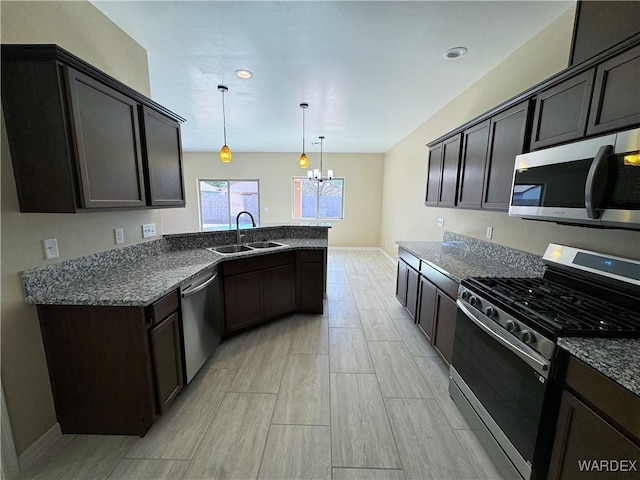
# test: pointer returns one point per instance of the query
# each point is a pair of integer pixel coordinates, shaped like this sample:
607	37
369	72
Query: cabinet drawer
244	265
311	255
614	401
164	307
409	258
440	280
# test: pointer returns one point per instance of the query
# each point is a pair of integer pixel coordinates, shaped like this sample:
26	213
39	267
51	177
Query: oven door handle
540	366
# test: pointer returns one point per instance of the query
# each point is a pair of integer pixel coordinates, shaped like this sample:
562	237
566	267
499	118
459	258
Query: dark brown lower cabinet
598	429
243	300
401	282
278	290
413	279
426	314
445	317
258	289
167	357
113	370
310	280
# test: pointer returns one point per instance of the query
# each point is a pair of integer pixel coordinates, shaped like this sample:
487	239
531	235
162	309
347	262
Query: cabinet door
449	177
278	291
167	359
472	165
445	325
427	307
401	282
310	281
616	95
600	25
561	111
507	138
243	300
163	155
582	438
433	175
413	284
107	144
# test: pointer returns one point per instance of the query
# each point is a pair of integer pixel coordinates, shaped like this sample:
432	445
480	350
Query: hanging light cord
321	139
303	109
224	120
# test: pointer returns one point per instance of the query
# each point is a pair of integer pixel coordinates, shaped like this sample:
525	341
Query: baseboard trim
32	454
389	257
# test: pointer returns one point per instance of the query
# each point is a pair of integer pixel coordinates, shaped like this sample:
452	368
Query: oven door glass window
510	390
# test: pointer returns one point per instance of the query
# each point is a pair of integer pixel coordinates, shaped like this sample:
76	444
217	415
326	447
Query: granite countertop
143	281
617	358
458	261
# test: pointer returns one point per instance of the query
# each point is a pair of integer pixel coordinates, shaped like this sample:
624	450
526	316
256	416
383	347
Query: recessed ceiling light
242	73
454	52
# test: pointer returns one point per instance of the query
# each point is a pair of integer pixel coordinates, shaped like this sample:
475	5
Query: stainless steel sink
228	249
231	249
265	245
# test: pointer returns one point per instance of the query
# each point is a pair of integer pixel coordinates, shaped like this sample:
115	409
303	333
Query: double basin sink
227	249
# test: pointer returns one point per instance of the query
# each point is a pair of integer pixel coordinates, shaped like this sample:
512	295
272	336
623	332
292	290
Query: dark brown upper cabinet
616	95
107	144
433	175
442	173
163	151
561	111
82	141
507	138
601	25
448	190
472	165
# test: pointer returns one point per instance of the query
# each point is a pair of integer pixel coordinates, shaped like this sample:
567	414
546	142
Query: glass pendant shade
303	162
225	154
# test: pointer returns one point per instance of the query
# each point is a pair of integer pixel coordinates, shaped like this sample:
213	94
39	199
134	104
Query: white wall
362	200
83	30
404	216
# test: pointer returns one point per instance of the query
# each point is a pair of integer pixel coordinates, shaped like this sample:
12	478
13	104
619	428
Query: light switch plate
440	222
118	233
149	230
50	247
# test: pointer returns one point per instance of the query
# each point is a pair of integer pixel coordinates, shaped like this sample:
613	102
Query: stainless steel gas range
506	377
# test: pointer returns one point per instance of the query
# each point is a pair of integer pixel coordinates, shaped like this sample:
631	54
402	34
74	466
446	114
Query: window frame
228	180
317	217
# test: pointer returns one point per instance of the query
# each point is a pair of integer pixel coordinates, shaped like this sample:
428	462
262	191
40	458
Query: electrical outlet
118	233
149	230
50	247
266	209
489	232
440	222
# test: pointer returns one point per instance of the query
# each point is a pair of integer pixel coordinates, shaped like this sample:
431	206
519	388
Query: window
222	200
320	200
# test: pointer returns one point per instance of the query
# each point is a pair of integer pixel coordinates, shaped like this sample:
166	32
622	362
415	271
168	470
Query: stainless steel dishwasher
201	317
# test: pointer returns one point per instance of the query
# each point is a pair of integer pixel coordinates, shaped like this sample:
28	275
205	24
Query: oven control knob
466	295
512	326
475	302
528	337
492	313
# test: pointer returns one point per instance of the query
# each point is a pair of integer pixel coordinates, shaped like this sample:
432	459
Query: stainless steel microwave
594	182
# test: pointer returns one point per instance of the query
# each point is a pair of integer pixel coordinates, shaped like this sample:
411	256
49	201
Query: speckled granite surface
136	275
617	358
458	258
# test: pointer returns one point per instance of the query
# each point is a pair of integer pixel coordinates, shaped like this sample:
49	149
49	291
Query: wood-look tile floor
356	393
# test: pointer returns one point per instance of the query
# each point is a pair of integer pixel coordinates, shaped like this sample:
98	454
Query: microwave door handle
597	181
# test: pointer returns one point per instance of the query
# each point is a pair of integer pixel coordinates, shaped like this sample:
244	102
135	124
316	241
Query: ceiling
371	72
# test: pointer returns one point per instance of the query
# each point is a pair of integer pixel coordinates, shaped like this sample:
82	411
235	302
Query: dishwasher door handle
193	290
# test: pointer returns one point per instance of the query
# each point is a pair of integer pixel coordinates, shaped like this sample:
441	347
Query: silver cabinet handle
540	366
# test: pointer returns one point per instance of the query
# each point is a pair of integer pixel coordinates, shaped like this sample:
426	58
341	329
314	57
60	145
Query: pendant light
303	162
316	174
225	152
